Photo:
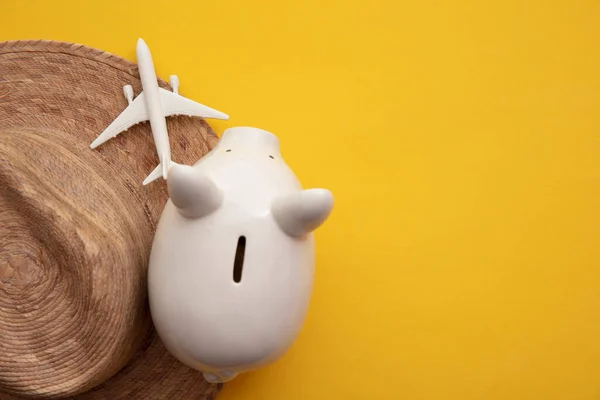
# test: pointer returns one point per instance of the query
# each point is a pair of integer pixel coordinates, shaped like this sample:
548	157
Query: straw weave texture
76	228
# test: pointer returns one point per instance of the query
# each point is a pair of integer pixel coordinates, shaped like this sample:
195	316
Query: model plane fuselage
154	104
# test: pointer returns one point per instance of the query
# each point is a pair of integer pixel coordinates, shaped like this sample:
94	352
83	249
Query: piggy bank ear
192	192
300	213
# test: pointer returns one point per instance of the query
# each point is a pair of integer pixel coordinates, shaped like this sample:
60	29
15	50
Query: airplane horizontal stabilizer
154	175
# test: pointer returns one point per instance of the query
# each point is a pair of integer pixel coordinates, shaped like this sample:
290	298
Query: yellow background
461	140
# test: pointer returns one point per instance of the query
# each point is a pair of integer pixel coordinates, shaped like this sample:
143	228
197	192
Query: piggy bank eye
227	151
272	157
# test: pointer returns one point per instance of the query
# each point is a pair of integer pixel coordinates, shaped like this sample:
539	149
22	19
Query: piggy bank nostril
238	263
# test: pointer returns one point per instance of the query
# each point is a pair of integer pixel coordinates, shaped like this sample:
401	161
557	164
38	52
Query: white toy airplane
154	104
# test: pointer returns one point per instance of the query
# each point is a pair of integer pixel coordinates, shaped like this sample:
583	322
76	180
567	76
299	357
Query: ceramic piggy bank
231	268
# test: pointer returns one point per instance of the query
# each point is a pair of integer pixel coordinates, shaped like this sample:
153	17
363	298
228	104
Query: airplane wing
172	104
175	104
132	115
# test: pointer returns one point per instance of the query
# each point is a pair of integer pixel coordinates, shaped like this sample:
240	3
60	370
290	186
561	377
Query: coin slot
238	264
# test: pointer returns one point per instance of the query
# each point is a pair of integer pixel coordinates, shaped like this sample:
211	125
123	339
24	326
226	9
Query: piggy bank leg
219	377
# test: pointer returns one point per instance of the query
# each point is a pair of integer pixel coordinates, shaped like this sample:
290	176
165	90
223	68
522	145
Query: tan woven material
76	227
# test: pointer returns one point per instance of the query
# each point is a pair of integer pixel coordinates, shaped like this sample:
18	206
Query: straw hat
76	227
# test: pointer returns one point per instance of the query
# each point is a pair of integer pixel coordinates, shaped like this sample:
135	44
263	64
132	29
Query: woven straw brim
76	228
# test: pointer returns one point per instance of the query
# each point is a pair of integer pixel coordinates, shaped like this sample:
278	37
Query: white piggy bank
231	267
